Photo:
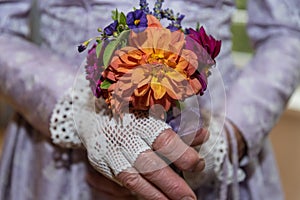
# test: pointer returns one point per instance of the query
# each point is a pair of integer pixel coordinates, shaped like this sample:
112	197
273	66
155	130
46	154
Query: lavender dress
33	78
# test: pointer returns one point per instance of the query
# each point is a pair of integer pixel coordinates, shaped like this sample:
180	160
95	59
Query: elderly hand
164	183
107	188
113	190
133	151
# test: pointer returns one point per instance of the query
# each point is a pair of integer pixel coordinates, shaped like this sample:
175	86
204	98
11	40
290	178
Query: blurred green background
241	4
241	41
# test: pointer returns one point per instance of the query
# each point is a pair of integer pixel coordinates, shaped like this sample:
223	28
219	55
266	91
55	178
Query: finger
156	171
136	183
101	183
195	139
169	145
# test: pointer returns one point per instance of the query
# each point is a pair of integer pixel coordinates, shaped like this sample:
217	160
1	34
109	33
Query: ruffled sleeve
31	78
260	94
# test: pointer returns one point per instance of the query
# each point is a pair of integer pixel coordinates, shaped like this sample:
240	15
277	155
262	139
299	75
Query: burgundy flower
96	89
208	42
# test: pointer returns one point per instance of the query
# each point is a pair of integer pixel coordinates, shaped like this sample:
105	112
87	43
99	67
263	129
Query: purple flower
179	18
201	76
84	45
137	20
110	29
173	27
93	71
209	43
144	6
81	48
96	89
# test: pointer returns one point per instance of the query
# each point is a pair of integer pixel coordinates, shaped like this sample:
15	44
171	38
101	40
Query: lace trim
112	145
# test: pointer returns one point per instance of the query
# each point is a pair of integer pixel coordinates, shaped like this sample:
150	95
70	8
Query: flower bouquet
137	63
140	71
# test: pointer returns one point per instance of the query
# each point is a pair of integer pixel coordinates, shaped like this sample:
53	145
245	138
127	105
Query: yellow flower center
160	71
156	58
136	22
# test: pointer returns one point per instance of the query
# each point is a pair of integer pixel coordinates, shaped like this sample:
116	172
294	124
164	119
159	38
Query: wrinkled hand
147	174
164	183
108	188
130	152
113	190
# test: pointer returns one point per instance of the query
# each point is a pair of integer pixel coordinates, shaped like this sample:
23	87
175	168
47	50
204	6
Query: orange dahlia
154	68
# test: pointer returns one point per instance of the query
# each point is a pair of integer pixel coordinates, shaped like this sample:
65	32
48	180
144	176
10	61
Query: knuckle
188	160
147	163
155	196
155	175
130	180
173	187
165	139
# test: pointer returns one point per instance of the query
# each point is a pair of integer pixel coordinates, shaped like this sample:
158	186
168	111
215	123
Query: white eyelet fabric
62	128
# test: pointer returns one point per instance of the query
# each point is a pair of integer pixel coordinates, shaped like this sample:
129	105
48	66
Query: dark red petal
217	49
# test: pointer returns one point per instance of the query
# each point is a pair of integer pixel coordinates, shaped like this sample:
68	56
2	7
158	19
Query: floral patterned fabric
33	79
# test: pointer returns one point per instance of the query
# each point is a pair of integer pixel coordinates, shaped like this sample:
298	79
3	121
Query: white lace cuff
112	144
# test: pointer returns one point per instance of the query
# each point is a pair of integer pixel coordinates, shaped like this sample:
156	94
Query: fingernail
203	132
188	198
199	132
200	166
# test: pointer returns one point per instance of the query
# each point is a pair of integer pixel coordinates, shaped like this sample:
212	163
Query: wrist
241	144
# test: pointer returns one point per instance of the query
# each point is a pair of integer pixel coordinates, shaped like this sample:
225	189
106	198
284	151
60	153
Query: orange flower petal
196	85
191	59
138	75
142	90
142	103
157	38
176	76
147	80
115	62
110	75
171	90
165	102
158	89
177	41
137	39
153	21
124	68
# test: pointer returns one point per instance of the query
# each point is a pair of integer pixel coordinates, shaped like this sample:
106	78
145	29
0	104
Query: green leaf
115	14
180	105
108	52
123	44
105	84
99	48
112	46
198	26
122	19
